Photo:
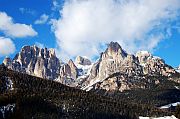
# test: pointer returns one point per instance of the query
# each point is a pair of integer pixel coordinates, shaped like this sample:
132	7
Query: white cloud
40	45
27	11
9	28
86	25
57	4
6	46
42	20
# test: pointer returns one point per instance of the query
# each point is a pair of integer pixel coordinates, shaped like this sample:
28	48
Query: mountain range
37	84
114	70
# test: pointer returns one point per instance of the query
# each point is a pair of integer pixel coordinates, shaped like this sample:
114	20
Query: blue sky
32	10
84	26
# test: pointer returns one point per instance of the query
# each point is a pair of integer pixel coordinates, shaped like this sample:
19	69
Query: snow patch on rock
177	87
170	105
83	70
165	117
178	69
90	86
5	109
9	84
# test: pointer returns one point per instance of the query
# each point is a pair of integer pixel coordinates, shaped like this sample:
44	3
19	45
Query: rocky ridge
115	69
35	61
118	70
178	69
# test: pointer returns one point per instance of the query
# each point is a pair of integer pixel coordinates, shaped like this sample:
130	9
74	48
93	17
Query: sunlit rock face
68	70
82	60
153	65
128	68
35	61
114	70
42	62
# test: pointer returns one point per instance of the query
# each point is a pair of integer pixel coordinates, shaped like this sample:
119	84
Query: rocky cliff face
44	63
35	61
115	69
82	60
72	74
118	70
68	74
153	65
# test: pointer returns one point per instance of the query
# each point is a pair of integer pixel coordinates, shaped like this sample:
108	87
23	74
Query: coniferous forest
36	98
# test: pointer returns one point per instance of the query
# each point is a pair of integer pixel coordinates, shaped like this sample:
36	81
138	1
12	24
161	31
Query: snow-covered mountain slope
83	70
165	117
73	73
178	69
170	105
7	109
84	66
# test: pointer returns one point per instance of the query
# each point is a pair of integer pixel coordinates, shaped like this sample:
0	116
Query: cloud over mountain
6	46
12	29
85	26
42	20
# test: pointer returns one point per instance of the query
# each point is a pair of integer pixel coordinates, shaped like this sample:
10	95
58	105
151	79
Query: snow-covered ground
177	87
7	108
165	117
178	69
169	105
9	84
90	86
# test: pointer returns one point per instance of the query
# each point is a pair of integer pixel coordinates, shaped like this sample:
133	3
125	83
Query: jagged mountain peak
82	60
41	52
70	61
52	52
114	46
7	61
71	64
143	53
115	67
114	50
41	62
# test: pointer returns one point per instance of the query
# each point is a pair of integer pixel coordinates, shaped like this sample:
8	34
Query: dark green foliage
40	98
177	112
154	96
45	99
163	92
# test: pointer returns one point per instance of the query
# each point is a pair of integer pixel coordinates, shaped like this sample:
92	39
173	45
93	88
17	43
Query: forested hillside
40	98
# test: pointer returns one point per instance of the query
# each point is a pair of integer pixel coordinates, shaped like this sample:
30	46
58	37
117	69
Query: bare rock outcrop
118	70
115	69
35	61
82	60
